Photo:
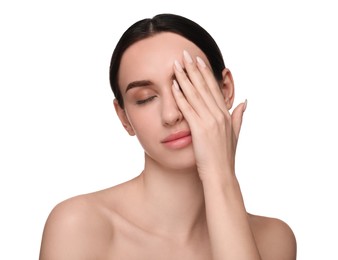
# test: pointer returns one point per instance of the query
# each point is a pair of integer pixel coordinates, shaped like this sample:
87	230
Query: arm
229	229
215	133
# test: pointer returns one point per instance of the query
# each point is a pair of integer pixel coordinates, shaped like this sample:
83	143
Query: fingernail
187	56
201	62
245	105
176	87
178	66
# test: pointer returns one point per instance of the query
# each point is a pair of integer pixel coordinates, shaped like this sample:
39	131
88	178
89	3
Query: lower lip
179	143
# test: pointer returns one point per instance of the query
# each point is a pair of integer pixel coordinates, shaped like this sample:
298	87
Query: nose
171	114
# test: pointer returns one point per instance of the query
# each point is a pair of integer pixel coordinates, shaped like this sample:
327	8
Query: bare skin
187	203
110	225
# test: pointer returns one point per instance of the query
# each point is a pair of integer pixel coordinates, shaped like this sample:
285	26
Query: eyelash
144	101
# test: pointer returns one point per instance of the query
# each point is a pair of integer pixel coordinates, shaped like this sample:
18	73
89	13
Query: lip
177	140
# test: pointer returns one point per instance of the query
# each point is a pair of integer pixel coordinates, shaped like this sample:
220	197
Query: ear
121	113
228	88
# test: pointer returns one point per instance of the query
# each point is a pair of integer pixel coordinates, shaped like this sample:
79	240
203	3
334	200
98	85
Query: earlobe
228	88
121	113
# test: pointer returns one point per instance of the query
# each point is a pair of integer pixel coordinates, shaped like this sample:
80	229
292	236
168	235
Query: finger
211	81
191	94
237	118
201	85
198	81
187	110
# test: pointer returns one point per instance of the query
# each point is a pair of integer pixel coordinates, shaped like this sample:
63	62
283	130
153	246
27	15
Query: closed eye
144	101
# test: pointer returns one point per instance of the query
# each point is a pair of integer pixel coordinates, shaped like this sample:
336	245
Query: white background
60	137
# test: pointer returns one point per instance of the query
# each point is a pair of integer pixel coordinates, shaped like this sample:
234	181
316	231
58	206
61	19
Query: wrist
218	177
219	182
224	191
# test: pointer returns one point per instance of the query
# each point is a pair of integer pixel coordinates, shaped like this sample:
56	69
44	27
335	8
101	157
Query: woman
174	93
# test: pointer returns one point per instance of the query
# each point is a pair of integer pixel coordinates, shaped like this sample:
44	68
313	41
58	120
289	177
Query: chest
140	245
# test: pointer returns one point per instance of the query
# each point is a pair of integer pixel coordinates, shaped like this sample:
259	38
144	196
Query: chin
177	160
180	163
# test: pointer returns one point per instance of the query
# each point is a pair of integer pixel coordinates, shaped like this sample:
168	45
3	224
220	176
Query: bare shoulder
275	239
76	228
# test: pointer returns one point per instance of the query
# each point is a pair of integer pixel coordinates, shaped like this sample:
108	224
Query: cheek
147	135
144	123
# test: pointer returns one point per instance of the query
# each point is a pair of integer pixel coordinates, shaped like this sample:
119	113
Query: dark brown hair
148	27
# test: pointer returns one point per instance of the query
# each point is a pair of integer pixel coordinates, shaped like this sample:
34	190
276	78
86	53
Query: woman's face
150	112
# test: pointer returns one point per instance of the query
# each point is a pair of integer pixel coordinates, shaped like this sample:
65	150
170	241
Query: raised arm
204	103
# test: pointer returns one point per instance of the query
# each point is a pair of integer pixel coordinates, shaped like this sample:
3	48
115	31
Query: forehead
153	57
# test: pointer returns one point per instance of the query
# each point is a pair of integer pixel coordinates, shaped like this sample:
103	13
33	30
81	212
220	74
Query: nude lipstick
177	140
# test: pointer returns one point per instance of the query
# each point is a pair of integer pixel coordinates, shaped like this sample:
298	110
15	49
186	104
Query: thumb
237	118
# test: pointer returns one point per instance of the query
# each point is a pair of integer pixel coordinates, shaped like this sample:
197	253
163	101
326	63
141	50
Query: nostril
172	117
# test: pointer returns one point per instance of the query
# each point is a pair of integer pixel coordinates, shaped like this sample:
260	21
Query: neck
174	200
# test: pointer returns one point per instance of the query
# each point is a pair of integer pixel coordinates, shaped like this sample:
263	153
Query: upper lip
176	136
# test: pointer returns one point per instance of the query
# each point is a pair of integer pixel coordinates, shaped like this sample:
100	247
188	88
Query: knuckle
220	118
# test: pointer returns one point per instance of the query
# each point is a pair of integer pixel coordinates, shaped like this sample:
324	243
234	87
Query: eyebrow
138	83
144	83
